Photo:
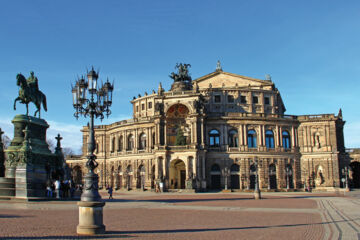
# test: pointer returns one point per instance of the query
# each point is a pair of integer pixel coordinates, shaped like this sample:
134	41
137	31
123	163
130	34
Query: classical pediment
220	79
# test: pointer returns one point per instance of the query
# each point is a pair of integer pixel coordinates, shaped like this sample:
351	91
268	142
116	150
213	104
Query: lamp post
345	171
288	174
257	193
91	100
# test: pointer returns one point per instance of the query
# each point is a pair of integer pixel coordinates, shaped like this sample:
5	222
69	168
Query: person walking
57	189
110	191
49	192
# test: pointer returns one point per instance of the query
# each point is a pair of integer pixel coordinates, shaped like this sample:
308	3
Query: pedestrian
110	191
72	189
49	192
161	186
156	187
57	188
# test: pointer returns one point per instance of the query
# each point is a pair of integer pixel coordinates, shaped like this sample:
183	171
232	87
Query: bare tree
51	144
6	141
68	151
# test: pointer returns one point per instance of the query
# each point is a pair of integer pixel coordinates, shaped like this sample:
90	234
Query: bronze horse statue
30	93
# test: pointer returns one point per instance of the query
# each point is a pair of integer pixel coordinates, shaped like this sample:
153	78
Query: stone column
245	134
292	137
136	140
195	131
148	139
276	137
250	101
262	102
202	131
165	133
241	137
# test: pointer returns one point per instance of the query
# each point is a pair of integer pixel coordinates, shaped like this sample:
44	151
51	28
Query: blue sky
310	48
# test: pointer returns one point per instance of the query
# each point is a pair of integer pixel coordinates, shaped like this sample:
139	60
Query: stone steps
7	187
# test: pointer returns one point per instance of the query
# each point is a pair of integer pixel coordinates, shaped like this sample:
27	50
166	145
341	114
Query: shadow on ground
126	234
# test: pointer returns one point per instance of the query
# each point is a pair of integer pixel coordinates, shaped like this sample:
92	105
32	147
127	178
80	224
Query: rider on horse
32	82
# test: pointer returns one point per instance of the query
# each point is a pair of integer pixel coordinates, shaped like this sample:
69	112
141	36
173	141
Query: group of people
61	189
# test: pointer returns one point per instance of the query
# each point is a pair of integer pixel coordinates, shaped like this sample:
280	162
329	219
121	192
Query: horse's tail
44	103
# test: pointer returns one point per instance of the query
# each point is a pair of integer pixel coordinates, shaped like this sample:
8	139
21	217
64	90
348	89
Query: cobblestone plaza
149	215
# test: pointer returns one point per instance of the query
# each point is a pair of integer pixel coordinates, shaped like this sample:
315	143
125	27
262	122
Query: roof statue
183	73
340	113
218	66
268	77
29	92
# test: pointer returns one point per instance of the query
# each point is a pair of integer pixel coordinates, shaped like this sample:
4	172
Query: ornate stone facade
209	134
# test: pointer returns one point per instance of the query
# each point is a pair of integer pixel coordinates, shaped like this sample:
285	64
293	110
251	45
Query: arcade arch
177	174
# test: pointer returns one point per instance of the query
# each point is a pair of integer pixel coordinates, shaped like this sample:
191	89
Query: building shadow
130	234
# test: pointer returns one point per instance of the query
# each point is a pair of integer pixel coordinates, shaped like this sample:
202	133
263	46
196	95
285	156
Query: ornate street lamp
345	171
257	193
91	100
288	174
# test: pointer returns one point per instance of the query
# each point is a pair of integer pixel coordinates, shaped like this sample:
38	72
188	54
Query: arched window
113	144
142	141
233	138
269	139
97	148
120	143
214	137
252	139
286	139
130	142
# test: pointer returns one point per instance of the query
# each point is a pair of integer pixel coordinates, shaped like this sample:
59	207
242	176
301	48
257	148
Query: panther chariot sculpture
29	92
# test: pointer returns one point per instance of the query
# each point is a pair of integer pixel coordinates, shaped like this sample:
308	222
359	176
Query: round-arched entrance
252	178
272	176
215	177
177	174
235	176
128	177
140	182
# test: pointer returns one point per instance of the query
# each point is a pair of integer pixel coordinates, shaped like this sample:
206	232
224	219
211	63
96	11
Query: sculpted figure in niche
317	140
320	177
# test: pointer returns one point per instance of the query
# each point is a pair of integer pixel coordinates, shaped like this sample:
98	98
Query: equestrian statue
29	92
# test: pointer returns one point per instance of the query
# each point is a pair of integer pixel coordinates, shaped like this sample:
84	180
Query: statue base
90	218
29	160
7	187
181	86
30	182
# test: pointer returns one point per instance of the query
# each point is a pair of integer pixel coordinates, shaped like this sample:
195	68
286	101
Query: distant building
207	133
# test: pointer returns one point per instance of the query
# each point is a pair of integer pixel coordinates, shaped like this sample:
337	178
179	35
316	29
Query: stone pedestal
29	160
90	218
30	181
7	187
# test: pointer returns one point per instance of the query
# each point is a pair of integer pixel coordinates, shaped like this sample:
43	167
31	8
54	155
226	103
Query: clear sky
310	48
